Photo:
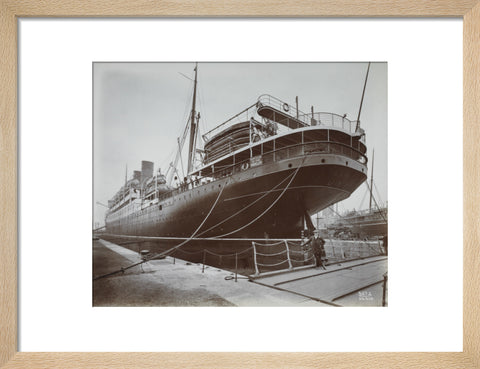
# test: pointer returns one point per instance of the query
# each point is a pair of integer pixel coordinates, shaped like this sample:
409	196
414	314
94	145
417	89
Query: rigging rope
246	207
167	252
378	192
173	248
201	224
363	199
266	210
378	207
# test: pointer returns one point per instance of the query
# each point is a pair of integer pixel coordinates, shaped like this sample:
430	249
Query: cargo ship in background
358	224
371	223
261	174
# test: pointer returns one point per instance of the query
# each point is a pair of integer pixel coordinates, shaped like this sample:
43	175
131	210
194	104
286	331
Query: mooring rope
189	252
157	238
271	206
269	244
275	254
297	252
227	255
167	252
121	270
271	265
301	261
248	206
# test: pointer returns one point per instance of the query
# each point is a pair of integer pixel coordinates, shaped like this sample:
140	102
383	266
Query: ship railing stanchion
385	277
255	258
288	255
203	267
236	265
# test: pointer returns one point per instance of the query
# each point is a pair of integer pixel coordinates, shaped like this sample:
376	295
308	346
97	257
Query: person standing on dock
317	244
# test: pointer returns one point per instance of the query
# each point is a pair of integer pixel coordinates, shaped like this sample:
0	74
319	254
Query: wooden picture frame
11	10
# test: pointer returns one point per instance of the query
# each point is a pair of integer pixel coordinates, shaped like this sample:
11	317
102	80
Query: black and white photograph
240	184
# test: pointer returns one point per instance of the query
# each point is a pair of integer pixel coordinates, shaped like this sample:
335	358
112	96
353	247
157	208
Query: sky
139	110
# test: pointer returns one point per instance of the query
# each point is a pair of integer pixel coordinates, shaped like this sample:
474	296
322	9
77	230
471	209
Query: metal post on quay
385	277
236	265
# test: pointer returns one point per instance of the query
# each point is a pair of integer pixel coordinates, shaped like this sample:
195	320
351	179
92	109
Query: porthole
290	165
323	160
346	162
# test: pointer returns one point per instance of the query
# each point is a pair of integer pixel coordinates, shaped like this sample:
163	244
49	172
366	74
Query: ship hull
373	229
373	224
270	200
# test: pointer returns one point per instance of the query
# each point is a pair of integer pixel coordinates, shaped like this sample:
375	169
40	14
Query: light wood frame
11	10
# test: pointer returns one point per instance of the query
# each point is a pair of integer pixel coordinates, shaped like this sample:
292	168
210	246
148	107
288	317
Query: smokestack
147	169
137	175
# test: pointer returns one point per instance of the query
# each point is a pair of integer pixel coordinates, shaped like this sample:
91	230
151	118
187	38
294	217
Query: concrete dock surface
176	282
163	283
335	284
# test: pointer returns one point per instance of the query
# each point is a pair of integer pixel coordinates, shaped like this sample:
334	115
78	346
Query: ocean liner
260	174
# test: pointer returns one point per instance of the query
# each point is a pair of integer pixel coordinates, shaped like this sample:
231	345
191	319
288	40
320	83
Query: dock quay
170	281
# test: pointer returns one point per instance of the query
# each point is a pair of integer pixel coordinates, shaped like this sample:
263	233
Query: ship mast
361	101
193	126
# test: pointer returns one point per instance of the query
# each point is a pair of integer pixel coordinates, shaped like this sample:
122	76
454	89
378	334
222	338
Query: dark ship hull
275	205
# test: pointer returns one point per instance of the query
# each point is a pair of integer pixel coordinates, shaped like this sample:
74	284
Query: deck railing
294	151
320	118
332	120
287	152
